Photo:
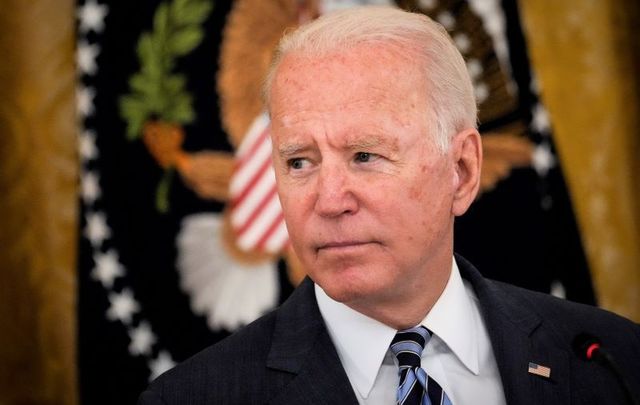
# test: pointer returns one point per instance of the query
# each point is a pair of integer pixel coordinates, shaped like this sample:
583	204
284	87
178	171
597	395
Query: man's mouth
343	245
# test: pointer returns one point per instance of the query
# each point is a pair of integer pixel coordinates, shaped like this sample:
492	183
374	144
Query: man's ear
466	148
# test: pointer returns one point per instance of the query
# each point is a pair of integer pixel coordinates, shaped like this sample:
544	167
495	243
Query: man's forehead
359	99
333	56
308	108
352	83
379	57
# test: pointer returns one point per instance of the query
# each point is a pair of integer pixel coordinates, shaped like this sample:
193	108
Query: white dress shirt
459	355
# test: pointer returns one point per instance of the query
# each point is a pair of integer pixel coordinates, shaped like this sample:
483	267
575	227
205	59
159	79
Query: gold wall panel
585	54
38	202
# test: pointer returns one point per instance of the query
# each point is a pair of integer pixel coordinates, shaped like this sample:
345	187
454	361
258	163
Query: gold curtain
38	177
585	55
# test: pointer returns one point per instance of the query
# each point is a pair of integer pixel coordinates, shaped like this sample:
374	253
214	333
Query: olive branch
156	91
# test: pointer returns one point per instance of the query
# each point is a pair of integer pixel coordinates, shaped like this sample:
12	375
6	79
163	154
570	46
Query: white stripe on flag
256	231
256	215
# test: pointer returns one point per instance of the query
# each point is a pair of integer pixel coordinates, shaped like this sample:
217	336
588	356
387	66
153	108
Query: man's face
366	196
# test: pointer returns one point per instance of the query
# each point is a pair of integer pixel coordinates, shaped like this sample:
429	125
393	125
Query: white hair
422	42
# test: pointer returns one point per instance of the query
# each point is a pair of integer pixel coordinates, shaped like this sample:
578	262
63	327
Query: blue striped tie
416	387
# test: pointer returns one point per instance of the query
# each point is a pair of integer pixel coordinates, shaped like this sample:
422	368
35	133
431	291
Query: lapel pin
540	370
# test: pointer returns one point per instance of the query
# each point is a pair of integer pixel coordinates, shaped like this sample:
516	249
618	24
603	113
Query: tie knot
408	344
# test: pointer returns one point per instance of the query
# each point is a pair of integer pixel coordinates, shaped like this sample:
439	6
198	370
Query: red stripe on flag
255	196
245	191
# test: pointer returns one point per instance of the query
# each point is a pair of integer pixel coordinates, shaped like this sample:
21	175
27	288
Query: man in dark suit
376	151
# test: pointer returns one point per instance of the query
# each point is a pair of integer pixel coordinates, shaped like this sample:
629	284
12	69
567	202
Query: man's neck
412	306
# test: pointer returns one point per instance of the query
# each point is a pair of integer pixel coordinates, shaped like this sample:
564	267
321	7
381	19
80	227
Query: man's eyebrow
355	143
370	141
291	149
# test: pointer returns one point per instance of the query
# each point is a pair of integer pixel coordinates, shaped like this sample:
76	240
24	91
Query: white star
107	269
123	306
86	55
494	22
90	187
542	159
427	4
558	290
160	364
91	16
463	43
84	100
474	67
481	91
540	122
87	145
97	229
447	20
142	338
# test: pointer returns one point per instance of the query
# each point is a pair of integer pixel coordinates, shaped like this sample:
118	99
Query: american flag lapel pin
540	370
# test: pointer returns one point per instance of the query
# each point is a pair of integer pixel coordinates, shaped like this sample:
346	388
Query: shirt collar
362	342
452	320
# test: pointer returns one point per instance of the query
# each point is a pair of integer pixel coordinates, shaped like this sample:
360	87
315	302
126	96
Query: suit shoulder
572	316
210	371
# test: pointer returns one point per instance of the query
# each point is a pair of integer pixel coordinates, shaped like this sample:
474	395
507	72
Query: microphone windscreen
583	345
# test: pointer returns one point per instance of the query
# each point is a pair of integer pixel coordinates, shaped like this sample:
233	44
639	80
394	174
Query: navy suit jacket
287	356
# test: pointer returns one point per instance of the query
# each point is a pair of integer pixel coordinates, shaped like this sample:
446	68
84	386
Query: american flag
256	214
537	369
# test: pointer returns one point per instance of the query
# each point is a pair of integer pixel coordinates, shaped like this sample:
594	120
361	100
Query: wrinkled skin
368	199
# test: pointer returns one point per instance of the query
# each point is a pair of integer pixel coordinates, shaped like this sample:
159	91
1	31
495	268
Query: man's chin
348	292
347	282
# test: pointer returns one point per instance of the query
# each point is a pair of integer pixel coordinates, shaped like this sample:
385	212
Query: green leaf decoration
184	41
161	21
181	110
156	92
162	192
135	112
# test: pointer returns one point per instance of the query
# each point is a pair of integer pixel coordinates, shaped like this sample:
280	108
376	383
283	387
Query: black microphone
589	348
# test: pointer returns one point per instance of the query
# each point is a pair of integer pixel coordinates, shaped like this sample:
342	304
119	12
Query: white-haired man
376	151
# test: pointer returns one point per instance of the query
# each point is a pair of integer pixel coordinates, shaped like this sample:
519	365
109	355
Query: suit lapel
518	337
302	347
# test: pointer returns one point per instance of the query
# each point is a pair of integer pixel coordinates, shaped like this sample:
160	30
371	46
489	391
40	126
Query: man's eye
363	157
296	163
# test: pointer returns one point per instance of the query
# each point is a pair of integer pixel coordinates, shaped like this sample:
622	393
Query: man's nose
335	192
